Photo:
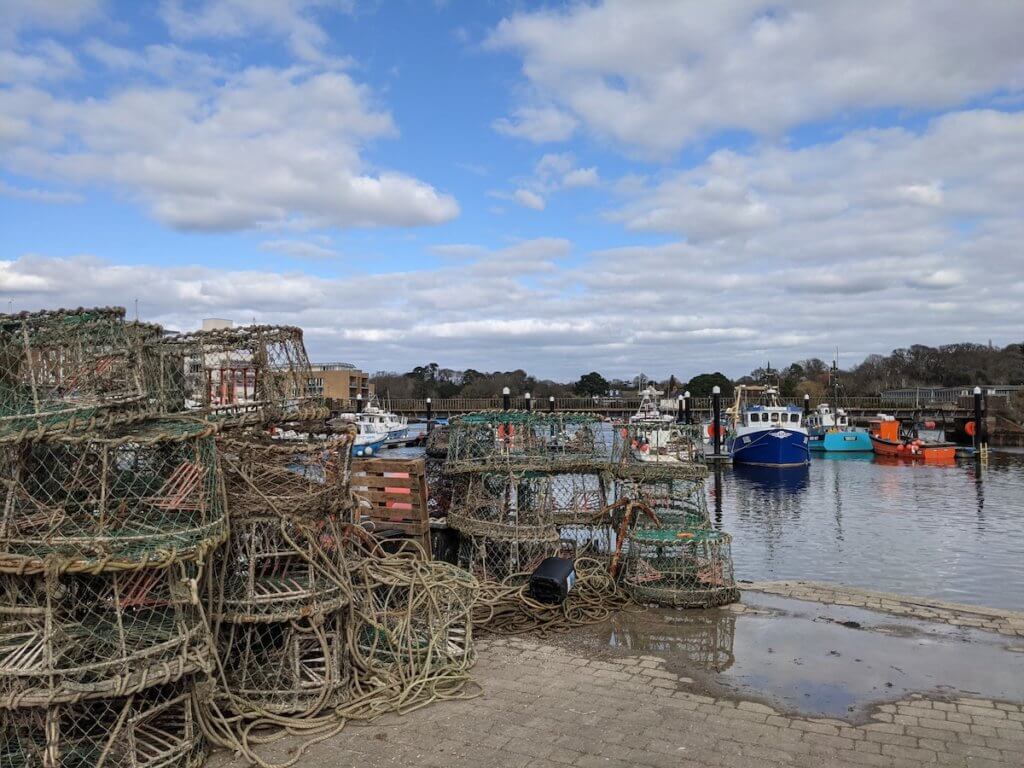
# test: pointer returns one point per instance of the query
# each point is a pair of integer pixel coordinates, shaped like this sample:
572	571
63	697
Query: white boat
377	420
654	435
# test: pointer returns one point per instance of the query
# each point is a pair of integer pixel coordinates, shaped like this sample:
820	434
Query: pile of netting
314	623
251	375
67	369
104	536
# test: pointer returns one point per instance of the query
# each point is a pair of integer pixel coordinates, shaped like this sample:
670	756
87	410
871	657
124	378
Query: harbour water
951	532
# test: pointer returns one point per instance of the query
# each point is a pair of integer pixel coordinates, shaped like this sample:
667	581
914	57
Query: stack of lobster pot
517	477
279	593
110	510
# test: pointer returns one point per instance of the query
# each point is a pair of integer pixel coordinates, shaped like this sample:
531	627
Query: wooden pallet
396	491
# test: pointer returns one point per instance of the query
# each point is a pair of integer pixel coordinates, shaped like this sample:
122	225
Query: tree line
949	365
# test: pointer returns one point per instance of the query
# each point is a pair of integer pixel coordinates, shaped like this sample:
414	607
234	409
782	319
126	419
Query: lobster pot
120	498
248	375
437	442
502	504
676	503
527	440
162	366
578	499
298	667
156	727
492	559
281	568
680	568
305	479
439	487
61	369
657	442
64	638
412	617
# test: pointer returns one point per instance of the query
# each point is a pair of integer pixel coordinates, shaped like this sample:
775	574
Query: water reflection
701	638
948	531
819	658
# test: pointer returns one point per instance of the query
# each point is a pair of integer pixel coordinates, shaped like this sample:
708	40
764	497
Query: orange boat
887	440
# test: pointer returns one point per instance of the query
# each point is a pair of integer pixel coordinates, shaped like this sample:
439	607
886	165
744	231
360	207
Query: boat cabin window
775	417
794	418
753	418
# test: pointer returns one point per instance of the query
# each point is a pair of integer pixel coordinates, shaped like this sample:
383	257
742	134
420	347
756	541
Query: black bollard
686	407
977	418
430	416
807	405
716	419
529	401
359	403
551	404
679	409
506	399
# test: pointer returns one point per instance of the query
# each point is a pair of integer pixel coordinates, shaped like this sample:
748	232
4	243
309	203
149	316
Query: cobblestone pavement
959	614
547	706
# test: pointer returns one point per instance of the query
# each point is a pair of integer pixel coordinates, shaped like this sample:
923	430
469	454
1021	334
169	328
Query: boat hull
368	448
841	441
932	453
771	448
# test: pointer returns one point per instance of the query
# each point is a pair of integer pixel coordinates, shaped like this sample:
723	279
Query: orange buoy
970	428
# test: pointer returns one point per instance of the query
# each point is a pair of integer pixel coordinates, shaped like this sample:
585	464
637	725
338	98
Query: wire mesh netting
120	498
519	504
494	559
248	375
680	504
680	567
281	568
290	667
528	440
66	369
657	450
162	365
66	638
156	727
437	442
301	478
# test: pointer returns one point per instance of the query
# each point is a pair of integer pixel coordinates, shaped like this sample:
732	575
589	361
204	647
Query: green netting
527	440
156	728
64	638
67	369
121	498
249	375
503	505
680	567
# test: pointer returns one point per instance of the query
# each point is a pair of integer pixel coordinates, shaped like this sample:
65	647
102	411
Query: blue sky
667	187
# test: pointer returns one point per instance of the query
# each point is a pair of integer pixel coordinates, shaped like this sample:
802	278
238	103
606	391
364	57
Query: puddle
816	659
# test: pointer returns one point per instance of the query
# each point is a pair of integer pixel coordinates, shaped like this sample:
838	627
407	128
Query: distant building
216	324
339	381
930	395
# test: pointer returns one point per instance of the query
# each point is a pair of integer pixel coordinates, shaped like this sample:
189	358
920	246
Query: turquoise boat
830	431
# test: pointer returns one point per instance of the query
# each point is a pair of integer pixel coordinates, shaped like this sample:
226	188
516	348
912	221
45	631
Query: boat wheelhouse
764	431
829	430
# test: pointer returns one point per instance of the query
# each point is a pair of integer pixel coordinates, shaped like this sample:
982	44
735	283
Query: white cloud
529	199
299	249
581	177
293	20
654	76
45	60
538	124
263	148
38	195
57	15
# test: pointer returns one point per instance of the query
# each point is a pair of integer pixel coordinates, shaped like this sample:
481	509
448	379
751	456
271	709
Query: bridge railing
450	406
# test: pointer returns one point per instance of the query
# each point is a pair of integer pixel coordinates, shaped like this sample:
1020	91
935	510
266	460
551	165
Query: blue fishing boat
829	430
766	432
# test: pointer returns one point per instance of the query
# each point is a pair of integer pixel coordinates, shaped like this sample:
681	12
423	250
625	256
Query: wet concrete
812	658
